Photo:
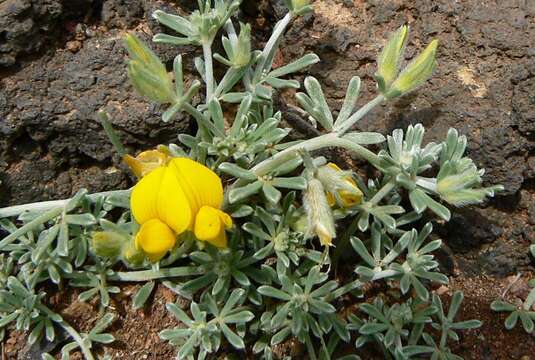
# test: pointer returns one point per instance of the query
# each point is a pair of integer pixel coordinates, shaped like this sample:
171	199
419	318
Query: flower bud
108	243
147	72
319	214
390	58
146	161
461	188
416	73
339	185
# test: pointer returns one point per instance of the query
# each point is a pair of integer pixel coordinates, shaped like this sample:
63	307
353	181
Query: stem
86	351
53	204
266	58
346	125
385	190
146	275
209	69
112	135
49	215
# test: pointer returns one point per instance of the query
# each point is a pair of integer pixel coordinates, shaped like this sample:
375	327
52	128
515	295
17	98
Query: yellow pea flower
146	161
182	195
340	188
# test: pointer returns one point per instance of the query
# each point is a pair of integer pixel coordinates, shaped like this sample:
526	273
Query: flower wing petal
143	200
155	239
174	207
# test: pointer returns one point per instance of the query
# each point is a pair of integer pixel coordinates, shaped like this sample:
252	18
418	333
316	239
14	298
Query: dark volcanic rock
484	84
49	126
26	25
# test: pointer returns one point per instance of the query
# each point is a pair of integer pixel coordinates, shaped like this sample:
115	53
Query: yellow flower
340	187
146	161
180	196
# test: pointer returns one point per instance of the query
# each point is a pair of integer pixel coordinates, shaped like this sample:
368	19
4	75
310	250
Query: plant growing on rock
246	224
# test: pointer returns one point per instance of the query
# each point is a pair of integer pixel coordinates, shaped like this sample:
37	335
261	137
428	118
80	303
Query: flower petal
210	226
173	204
201	185
143	200
155	238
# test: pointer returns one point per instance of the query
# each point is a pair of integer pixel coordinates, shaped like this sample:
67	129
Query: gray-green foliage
524	311
273	282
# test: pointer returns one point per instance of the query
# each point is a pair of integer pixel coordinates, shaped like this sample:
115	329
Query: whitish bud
458	189
339	186
390	59
319	215
147	72
416	73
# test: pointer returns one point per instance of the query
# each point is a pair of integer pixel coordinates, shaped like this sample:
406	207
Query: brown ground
67	62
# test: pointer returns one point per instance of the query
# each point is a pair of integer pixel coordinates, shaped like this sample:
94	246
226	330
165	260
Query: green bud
108	243
390	58
147	73
461	188
416	73
130	254
299	7
238	50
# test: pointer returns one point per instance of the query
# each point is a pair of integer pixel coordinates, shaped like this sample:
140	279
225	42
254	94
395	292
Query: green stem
86	351
146	275
209	69
47	216
346	125
112	135
267	54
56	205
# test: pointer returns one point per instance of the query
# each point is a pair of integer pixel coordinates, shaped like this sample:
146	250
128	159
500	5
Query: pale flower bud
416	73
319	214
339	185
390	58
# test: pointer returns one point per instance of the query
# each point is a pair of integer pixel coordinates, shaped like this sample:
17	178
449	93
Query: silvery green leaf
274	293
295	183
217	114
297	65
233	339
171	111
142	295
102	338
169	39
199	66
75	200
361	249
256	230
236	171
63	238
243	192
499	305
352	94
282	83
233	98
178	23
81	219
527	322
280	336
511	320
242	211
